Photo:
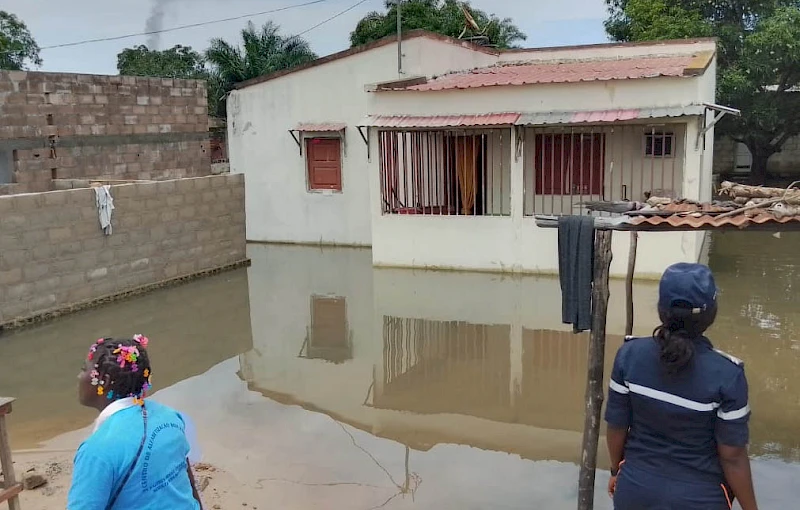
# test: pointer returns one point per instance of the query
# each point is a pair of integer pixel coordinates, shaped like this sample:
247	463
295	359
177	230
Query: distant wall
54	254
786	162
66	126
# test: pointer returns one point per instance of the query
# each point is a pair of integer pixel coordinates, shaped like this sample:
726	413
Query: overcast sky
54	22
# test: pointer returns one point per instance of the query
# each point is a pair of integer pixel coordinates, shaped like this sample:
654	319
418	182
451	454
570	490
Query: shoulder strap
127	476
733	359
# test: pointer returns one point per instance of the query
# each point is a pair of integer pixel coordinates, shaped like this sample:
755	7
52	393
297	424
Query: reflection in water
432	378
39	366
445	367
329	337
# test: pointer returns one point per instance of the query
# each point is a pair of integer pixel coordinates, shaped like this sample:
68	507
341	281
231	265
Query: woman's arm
736	467
194	485
615	437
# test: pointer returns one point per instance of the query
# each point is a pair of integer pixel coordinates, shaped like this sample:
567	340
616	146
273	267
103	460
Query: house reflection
430	357
446	367
328	336
432	367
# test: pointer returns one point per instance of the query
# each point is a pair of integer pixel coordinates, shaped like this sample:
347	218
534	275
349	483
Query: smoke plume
155	22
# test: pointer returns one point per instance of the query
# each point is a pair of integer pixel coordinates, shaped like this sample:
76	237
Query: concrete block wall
785	162
64	126
53	253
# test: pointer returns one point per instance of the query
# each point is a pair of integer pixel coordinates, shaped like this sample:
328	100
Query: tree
441	16
262	52
177	62
17	46
759	60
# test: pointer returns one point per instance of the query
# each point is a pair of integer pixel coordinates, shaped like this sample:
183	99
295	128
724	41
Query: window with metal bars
446	172
565	168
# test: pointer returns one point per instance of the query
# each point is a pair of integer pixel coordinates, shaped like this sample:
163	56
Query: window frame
652	136
307	142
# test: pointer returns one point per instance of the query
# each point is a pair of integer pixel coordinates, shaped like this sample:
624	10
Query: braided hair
680	327
121	367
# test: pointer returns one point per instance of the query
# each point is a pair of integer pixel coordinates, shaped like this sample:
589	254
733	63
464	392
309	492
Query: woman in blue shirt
677	409
137	455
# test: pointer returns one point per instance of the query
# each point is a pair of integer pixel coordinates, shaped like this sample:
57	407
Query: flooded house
440	157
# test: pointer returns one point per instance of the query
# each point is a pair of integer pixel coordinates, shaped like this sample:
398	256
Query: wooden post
11	489
594	383
629	283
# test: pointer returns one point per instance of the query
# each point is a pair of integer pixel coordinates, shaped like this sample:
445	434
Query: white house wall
279	206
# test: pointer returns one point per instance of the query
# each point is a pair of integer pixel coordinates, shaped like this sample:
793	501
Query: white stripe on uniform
619	388
672	399
734	415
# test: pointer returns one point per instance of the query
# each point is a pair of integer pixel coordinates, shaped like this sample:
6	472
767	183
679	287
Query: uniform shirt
675	421
159	479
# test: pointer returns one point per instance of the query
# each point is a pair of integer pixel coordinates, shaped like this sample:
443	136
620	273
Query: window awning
316	127
440	121
605	116
320	127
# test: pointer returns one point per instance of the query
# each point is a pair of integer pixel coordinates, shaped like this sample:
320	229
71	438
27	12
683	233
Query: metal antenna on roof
481	38
399	37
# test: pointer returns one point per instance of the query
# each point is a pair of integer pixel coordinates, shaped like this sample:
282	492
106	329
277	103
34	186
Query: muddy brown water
464	387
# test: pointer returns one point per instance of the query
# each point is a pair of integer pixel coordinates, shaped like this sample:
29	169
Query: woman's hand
612	486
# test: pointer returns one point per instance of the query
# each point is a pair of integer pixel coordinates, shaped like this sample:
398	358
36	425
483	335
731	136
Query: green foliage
655	20
177	62
262	52
439	16
17	46
759	60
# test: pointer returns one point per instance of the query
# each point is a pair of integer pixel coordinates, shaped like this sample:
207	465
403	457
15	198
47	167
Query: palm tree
262	52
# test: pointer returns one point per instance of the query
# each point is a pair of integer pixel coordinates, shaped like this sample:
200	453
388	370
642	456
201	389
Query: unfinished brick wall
65	126
55	255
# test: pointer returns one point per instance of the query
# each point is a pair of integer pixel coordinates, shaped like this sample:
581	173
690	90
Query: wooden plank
594	383
11	494
629	284
5	454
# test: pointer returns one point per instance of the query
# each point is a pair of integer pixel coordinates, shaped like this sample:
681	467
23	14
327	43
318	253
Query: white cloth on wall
105	207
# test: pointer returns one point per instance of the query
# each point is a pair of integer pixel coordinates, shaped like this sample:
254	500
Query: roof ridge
584	60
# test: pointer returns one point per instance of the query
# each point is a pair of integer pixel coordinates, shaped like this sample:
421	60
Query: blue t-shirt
675	421
159	479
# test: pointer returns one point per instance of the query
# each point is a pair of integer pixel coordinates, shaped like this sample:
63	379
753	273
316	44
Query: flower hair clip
93	348
141	340
127	354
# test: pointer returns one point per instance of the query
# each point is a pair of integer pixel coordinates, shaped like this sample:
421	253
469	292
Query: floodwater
330	384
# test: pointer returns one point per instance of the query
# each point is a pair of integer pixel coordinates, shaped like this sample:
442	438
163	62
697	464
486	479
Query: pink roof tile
441	121
321	127
563	72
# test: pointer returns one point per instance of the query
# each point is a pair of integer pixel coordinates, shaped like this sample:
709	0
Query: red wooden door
324	163
569	164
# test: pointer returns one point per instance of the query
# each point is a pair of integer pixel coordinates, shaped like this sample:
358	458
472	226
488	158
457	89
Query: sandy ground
219	490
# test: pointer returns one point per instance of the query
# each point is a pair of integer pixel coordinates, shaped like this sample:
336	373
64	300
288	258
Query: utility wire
201	24
332	17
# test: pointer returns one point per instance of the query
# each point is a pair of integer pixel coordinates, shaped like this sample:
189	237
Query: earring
100	388
110	395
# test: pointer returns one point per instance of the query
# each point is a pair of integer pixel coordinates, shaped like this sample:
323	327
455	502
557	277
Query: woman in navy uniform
677	409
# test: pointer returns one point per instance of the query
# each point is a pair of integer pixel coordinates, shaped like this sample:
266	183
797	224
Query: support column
515	341
517	178
596	362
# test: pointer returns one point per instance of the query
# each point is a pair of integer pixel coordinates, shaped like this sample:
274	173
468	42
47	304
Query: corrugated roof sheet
321	127
602	116
561	72
711	222
441	121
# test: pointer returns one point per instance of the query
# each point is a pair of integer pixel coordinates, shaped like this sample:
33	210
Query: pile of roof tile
738	200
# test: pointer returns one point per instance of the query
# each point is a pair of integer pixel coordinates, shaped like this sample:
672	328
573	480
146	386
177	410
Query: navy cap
687	285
